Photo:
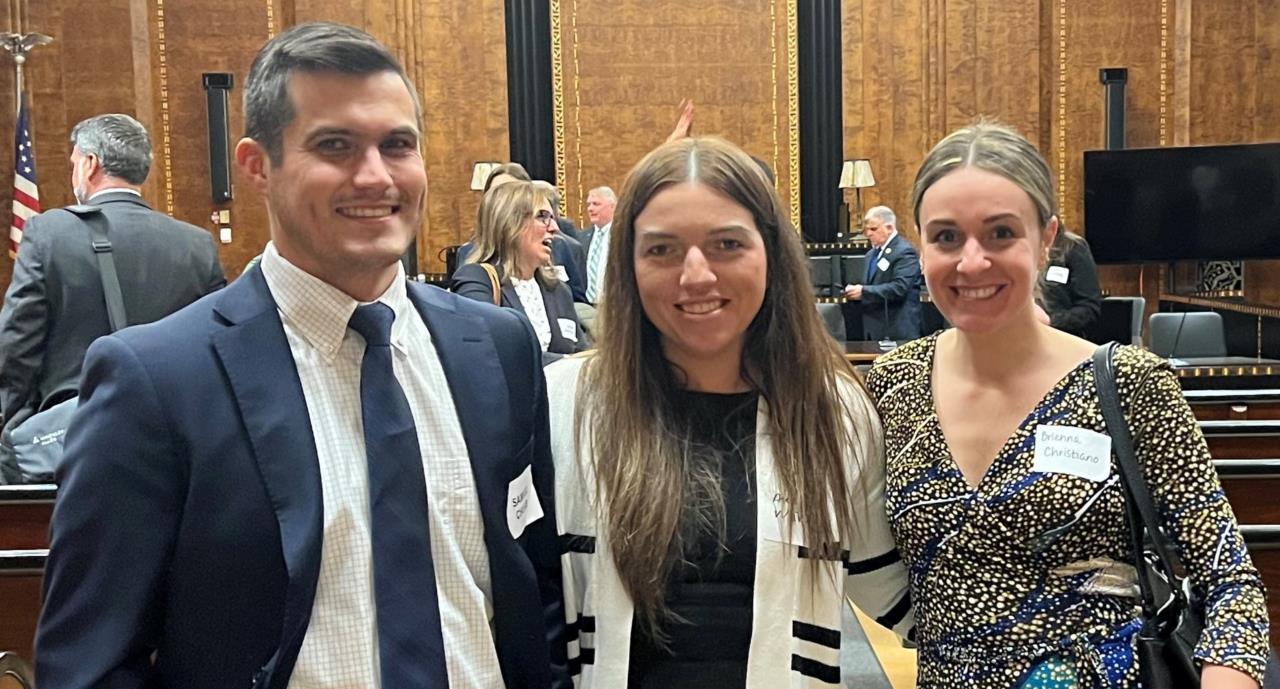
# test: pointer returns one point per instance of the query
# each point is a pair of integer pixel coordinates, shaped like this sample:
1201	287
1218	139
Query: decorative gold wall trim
1164	72
577	103
793	109
557	92
773	75
1062	104
271	19
166	148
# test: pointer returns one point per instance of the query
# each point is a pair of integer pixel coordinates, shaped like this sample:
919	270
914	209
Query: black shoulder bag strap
97	221
1139	506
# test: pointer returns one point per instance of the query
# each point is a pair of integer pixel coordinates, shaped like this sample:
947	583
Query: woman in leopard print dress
1002	493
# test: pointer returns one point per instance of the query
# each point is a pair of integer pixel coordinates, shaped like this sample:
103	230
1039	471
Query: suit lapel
510	298
478	383
478	386
259	364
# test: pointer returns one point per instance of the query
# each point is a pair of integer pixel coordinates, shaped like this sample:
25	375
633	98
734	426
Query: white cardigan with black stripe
795	636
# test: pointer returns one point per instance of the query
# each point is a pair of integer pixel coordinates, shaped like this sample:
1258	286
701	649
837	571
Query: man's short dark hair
315	47
119	142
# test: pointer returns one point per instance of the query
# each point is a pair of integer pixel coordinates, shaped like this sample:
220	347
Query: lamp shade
480	173
856	174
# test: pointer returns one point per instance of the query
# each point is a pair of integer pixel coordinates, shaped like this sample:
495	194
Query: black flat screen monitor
1194	203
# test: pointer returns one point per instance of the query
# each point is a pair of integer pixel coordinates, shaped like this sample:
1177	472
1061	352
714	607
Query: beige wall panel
917	69
78	75
207	37
627	65
464	99
886	66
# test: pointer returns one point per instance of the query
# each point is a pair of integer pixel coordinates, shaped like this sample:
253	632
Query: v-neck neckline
976	489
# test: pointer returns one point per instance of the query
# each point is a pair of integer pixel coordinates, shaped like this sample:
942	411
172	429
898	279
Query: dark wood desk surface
862	351
1228	365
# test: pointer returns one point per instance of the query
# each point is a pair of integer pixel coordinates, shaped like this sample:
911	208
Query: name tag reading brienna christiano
1075	451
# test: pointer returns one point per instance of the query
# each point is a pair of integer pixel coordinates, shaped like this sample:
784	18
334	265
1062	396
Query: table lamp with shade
480	173
856	175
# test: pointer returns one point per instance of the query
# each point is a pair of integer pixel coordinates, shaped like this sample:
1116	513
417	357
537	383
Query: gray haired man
55	306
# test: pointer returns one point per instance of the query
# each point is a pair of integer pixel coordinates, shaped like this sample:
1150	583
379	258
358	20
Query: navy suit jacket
471	281
189	517
891	298
567	253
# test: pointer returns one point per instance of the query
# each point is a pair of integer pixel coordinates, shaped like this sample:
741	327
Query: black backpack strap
97	222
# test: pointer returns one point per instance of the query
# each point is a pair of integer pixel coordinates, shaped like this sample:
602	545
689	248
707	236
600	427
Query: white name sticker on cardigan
1057	274
561	273
523	507
882	264
568	329
1075	451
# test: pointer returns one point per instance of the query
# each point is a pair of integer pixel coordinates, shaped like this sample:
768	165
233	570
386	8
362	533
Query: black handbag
1172	609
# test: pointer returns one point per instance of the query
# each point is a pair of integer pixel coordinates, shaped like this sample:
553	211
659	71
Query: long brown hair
642	460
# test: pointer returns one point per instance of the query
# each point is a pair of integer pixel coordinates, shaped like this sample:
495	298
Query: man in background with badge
890	292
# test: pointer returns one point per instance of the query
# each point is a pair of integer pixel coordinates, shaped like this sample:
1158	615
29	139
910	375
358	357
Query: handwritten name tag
1074	451
523	507
778	523
568	329
1057	274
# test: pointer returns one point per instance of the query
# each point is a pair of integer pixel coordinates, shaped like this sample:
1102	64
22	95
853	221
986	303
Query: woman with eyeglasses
510	265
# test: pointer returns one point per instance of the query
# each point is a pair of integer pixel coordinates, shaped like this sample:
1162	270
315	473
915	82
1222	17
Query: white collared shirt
530	295
115	190
340	648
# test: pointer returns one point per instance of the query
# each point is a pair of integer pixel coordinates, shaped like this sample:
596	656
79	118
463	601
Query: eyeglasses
545	217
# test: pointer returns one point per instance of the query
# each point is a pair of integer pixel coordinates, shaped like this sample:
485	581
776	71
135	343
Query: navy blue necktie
872	256
410	643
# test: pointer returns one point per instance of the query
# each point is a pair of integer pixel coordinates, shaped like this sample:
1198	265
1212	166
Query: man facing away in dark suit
890	294
55	306
323	475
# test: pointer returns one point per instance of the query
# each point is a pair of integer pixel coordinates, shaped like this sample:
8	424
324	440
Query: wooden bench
24	516
1238	405
1249	439
1252	487
20	575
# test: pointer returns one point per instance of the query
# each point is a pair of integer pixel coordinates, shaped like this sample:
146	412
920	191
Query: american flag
26	195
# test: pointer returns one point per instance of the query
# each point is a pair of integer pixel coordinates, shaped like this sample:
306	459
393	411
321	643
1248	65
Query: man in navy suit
224	505
890	294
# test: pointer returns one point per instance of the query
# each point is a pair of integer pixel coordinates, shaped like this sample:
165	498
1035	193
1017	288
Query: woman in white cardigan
719	466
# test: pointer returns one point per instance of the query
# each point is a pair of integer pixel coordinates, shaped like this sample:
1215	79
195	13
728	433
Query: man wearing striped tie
600	204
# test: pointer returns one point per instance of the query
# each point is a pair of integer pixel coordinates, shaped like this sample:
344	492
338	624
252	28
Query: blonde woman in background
514	228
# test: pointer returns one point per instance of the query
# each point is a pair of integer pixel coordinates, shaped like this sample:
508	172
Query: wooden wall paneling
1262	278
922	68
1224	60
890	123
626	65
1107	33
199	38
78	75
463	84
1098	34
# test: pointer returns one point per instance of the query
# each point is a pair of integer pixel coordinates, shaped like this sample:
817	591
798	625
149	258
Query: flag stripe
26	190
